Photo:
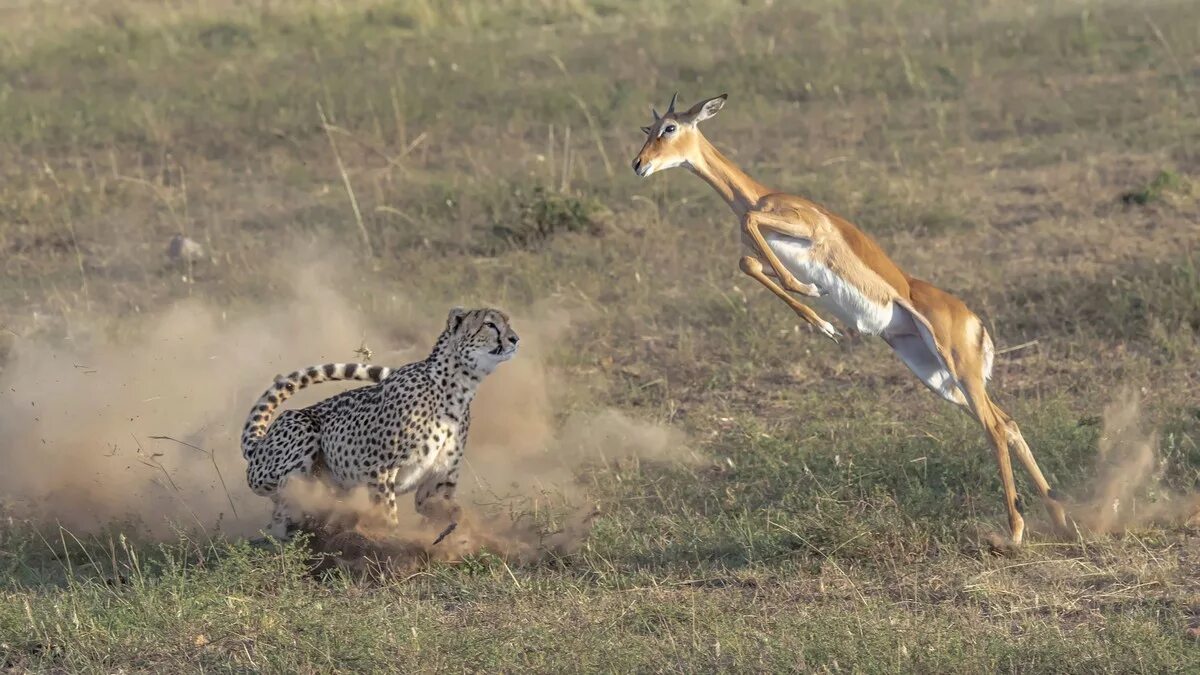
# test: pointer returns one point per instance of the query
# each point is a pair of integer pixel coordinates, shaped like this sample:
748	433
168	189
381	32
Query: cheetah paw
445	533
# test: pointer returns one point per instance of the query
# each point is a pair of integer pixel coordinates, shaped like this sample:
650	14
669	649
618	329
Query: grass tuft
530	217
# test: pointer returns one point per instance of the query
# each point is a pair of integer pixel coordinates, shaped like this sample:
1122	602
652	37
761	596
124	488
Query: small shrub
1165	181
530	218
225	35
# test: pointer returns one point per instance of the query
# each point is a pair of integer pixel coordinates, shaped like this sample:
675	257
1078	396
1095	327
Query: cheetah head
482	337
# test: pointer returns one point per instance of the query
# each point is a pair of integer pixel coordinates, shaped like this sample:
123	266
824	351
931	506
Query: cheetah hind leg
284	523
291	447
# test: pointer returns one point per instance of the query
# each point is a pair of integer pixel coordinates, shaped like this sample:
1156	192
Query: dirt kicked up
142	428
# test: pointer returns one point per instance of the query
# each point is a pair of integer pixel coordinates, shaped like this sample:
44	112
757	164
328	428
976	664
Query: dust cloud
1129	489
139	430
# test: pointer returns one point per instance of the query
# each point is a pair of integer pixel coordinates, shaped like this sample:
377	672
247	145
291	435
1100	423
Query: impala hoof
831	332
1001	545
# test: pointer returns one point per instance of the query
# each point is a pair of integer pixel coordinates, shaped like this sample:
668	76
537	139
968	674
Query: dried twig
1014	348
213	458
362	228
151	460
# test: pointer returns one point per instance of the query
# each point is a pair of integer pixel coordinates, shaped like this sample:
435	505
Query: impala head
673	139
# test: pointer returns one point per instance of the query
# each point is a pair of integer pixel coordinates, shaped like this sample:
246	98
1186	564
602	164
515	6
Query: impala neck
738	190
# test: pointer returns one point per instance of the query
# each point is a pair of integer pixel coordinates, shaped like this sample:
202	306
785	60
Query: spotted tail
285	385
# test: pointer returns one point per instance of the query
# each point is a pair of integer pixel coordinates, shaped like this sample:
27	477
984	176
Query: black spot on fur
1055	495
351	368
1020	504
330	369
373	372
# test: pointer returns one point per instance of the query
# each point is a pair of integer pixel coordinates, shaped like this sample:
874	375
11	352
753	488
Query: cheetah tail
285	385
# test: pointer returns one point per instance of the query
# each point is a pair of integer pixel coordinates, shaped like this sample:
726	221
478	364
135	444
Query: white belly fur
839	298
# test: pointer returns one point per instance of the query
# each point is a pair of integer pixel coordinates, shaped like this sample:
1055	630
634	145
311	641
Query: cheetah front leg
435	500
383	496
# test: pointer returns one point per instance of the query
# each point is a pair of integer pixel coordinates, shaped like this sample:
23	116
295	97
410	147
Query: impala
797	246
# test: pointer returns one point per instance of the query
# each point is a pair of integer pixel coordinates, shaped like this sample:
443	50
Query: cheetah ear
455	319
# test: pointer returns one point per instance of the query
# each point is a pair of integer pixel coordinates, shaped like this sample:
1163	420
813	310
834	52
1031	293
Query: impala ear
646	130
704	109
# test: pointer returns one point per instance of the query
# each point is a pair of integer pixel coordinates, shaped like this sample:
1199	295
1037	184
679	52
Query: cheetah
407	431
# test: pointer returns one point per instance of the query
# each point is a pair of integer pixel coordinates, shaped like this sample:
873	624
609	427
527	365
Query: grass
1036	160
1164	182
256	612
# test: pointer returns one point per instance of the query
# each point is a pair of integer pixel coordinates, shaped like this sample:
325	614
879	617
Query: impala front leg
753	268
752	224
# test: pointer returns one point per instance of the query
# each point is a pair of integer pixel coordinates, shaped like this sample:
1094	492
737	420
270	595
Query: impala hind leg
930	368
983	410
922	344
753	267
1050	498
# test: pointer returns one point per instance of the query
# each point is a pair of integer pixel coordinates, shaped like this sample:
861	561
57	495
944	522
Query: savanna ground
1039	159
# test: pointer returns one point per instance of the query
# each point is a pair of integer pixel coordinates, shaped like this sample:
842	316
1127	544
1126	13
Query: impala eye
669	129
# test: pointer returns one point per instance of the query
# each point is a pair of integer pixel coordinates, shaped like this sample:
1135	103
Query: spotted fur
406	431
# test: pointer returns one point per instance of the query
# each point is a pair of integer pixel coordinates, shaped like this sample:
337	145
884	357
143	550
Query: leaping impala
797	246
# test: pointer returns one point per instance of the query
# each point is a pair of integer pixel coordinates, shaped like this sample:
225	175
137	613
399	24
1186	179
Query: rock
184	249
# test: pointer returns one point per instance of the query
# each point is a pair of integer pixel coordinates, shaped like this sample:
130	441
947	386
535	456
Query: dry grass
840	527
